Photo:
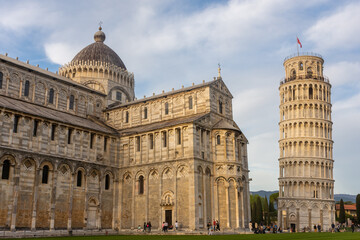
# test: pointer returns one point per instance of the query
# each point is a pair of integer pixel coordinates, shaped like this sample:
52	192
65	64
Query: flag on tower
298	41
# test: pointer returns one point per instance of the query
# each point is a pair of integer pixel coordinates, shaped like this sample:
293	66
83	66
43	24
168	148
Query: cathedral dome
99	52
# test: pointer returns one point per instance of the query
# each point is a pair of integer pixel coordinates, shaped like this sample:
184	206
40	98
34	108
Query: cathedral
78	150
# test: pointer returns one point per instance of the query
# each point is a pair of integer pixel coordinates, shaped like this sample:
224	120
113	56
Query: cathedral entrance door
91	221
293	227
168	217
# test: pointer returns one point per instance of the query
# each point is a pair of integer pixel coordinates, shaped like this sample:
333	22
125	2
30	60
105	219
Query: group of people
214	226
147	227
165	226
317	228
258	229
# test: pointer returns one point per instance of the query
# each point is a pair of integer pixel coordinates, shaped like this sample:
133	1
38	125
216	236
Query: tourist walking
352	227
319	227
176	225
217	225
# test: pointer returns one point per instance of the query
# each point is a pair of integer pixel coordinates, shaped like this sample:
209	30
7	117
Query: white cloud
59	52
339	29
20	15
344	73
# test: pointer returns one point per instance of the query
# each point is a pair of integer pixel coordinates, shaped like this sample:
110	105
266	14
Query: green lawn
312	236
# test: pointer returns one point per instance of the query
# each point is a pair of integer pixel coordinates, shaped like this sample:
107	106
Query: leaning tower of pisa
306	183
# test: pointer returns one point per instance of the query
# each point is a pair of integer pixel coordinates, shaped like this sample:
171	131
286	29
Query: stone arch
167	173
9	157
167	198
64	168
96	171
207	171
121	89
47	162
95	85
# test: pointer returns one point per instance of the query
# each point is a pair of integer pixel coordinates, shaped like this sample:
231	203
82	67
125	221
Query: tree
266	212
358	208
259	211
342	212
253	209
272	210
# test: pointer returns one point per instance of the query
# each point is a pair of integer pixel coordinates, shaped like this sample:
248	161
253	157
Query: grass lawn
312	236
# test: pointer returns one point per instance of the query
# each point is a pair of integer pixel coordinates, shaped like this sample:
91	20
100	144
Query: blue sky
172	43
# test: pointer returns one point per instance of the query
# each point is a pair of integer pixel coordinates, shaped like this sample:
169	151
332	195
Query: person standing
176	225
319	228
352	227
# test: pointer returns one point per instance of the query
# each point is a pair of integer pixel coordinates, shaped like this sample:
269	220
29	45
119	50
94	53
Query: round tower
306	184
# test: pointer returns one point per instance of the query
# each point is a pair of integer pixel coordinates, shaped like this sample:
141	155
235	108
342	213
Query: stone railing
303	54
307	76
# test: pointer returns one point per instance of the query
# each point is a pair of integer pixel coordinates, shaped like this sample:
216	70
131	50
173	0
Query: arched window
190	102
138	144
293	73
6	170
151	141
45	174
220	107
51	96
178	135
164	138
118	96
301	66
218	141
294	95
71	102
145	113
126	116
166	108
309	72
1	79
79	179
27	88
107	182
310	93
141	185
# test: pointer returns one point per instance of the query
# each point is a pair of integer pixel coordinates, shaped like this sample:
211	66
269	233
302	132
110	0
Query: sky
167	44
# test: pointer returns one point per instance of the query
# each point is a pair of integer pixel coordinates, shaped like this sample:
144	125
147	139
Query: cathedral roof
52	114
225	124
99	52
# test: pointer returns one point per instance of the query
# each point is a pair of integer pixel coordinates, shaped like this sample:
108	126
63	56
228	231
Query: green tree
253	209
272	210
266	212
358	208
258	211
342	212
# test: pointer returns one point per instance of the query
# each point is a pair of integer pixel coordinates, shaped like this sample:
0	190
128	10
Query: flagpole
297	45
